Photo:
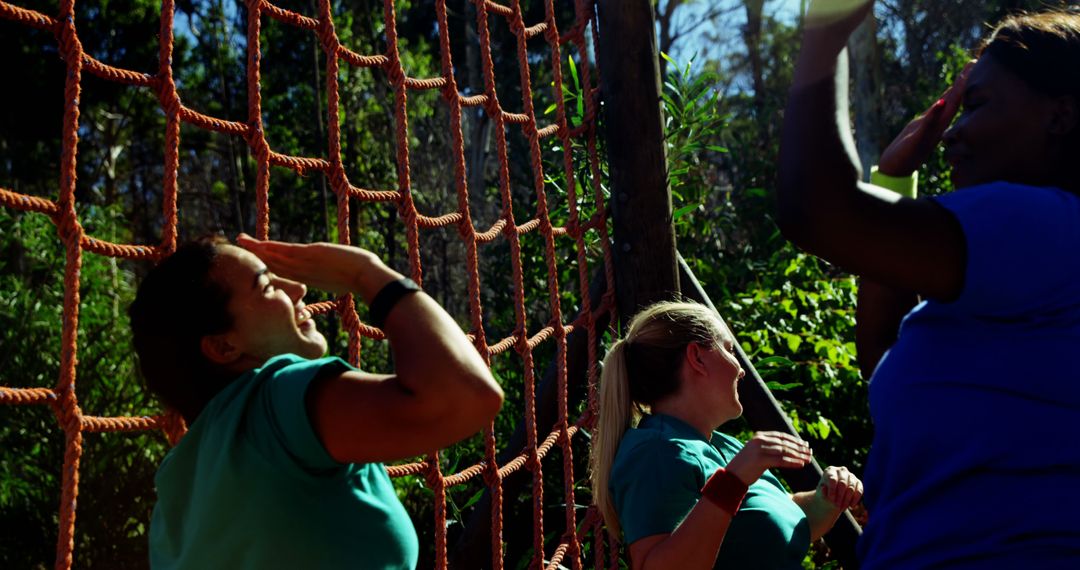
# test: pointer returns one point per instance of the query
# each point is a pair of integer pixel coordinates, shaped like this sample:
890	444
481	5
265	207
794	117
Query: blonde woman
682	494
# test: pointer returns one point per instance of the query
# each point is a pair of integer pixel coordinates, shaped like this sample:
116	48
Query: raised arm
441	390
824	207
695	543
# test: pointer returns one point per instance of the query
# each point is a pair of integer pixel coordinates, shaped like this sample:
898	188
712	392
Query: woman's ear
1064	115
217	349
695	357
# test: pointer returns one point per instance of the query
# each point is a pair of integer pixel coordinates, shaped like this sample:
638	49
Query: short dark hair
1042	49
177	304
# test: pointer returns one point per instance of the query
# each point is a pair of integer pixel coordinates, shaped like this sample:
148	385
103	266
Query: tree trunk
644	238
665	31
752	37
866	93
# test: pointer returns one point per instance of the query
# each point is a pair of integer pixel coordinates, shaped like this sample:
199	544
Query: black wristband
389	296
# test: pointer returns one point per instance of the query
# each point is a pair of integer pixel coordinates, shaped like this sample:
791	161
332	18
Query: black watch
389	296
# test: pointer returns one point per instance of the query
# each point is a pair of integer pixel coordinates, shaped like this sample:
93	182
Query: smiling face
1006	131
710	378
268	313
727	372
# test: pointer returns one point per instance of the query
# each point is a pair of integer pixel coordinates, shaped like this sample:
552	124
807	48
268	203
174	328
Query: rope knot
435	481
491	475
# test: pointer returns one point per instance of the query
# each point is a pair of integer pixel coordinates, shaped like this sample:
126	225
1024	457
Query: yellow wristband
902	185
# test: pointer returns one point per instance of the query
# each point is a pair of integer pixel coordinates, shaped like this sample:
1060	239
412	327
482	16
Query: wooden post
644	247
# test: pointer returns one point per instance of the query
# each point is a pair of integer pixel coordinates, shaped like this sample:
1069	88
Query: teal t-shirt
251	486
656	480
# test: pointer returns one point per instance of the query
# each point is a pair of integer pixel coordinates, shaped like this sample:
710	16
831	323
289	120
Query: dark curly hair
177	304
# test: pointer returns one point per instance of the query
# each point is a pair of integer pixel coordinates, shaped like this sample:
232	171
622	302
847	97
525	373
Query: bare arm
441	390
695	543
881	308
823	207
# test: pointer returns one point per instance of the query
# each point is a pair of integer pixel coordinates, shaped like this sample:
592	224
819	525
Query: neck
244	363
687	412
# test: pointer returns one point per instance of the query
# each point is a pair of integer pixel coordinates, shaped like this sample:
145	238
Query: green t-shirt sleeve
654	487
277	417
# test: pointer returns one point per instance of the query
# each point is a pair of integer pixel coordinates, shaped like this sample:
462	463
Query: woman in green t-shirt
281	466
676	373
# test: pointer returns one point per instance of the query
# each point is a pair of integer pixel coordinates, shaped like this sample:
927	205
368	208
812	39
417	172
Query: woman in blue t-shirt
682	494
281	466
975	390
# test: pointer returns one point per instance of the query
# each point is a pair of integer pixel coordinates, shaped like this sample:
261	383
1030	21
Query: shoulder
1019	241
283	373
291	365
726	442
276	418
655	482
291	376
639	442
1013	200
281	384
1026	213
644	450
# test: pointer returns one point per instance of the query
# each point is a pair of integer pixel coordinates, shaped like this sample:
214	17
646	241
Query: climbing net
76	241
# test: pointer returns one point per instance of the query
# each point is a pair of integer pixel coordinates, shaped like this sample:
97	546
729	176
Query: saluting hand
331	267
913	146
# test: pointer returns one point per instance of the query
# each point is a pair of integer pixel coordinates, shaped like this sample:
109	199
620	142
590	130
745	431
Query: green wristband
903	185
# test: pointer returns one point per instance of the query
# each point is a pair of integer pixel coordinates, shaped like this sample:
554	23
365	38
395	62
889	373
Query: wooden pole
644	248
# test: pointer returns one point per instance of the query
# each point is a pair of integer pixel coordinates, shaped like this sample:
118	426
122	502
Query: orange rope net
62	398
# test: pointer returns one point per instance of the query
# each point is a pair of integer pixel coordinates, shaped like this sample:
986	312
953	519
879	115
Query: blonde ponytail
615	416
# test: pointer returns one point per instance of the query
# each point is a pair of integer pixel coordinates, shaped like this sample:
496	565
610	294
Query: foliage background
727	68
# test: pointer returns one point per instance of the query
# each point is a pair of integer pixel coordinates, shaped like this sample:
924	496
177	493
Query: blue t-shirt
251	487
975	462
656	480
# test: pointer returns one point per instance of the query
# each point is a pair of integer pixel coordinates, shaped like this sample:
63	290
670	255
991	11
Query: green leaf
823	427
473	499
778	387
683	211
774	361
793	341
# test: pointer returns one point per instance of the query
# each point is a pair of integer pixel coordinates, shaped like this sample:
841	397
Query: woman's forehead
235	263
